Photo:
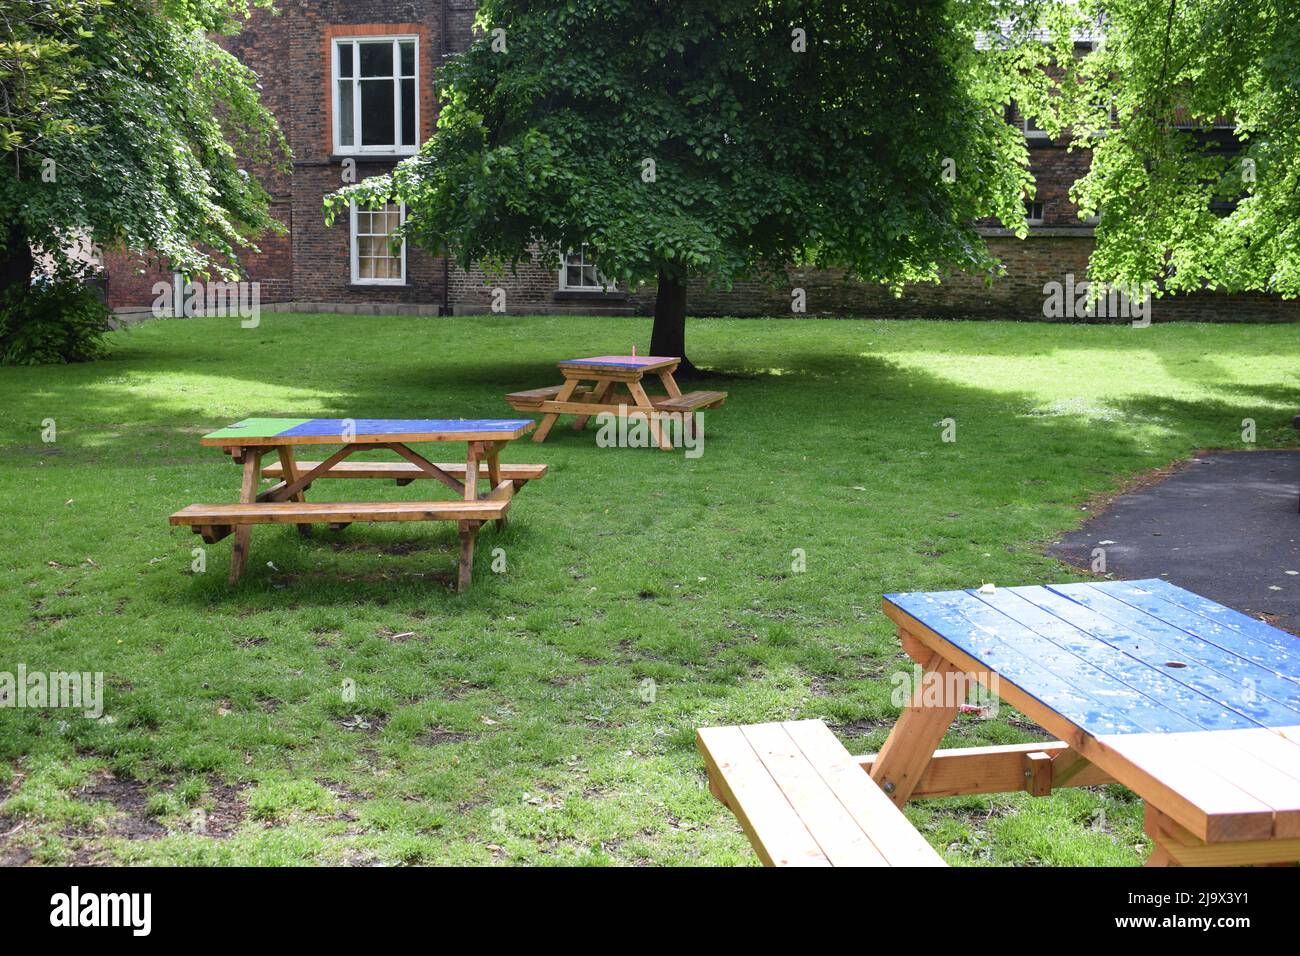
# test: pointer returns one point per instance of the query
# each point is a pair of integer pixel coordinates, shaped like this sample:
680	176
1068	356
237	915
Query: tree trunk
16	262
668	336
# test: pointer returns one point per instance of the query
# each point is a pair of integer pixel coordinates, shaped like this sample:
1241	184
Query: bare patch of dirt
363	723
863	728
226	808
131	799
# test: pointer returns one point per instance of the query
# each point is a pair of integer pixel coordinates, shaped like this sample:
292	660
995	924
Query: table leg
598	392
670	383
290	467
465	569
565	393
644	404
914	739
494	475
472	457
247	495
1175	845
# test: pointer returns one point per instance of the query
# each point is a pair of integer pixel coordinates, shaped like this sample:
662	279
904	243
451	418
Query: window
1033	213
1026	125
376	104
578	273
376	259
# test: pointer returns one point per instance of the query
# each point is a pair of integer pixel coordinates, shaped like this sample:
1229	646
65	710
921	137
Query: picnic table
249	441
1193	706
592	387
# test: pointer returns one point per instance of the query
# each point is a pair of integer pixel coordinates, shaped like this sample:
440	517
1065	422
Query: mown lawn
514	724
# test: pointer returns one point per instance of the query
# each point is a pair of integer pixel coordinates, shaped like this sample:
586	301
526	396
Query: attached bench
404	472
531	399
214	522
803	800
691	401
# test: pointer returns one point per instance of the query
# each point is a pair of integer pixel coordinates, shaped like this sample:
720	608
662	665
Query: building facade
351	83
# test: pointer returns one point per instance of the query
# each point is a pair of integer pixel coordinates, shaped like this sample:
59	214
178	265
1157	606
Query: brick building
351	84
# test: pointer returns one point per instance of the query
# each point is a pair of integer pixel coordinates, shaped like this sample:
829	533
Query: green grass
509	724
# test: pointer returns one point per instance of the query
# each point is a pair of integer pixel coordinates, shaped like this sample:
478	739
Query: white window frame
353	45
1030	219
604	286
356	255
1035	133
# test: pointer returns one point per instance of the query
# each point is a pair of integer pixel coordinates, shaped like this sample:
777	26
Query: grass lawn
513	724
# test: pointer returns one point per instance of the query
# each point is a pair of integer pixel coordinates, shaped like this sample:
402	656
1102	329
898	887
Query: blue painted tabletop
269	431
1124	657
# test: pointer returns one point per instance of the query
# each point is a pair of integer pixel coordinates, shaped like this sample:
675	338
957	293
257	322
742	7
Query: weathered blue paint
1091	654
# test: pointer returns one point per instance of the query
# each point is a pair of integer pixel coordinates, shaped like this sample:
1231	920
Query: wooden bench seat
803	800
404	472
532	399
214	522
691	401
298	512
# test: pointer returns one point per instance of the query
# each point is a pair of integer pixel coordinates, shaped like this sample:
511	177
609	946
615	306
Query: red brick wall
291	54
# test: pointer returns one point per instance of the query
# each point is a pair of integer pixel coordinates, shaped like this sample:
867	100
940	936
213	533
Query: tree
1191	109
722	139
126	122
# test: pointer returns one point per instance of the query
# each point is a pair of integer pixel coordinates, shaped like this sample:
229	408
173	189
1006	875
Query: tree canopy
127	122
723	139
1191	111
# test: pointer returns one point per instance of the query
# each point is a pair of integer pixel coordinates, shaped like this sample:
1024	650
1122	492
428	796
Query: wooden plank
690	401
912	742
1231	813
535	394
503	491
841	839
304	480
582	408
1083	693
1278	751
1191	612
431	470
776	832
292	512
243	534
645	405
636	365
548	421
404	469
598	394
1189	811
1197	697
1184	849
449	430
996	769
465	562
1239	757
890	832
1269	670
1248	687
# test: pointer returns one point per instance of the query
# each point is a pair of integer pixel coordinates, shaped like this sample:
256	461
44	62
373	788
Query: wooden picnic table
249	441
592	387
1190	704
